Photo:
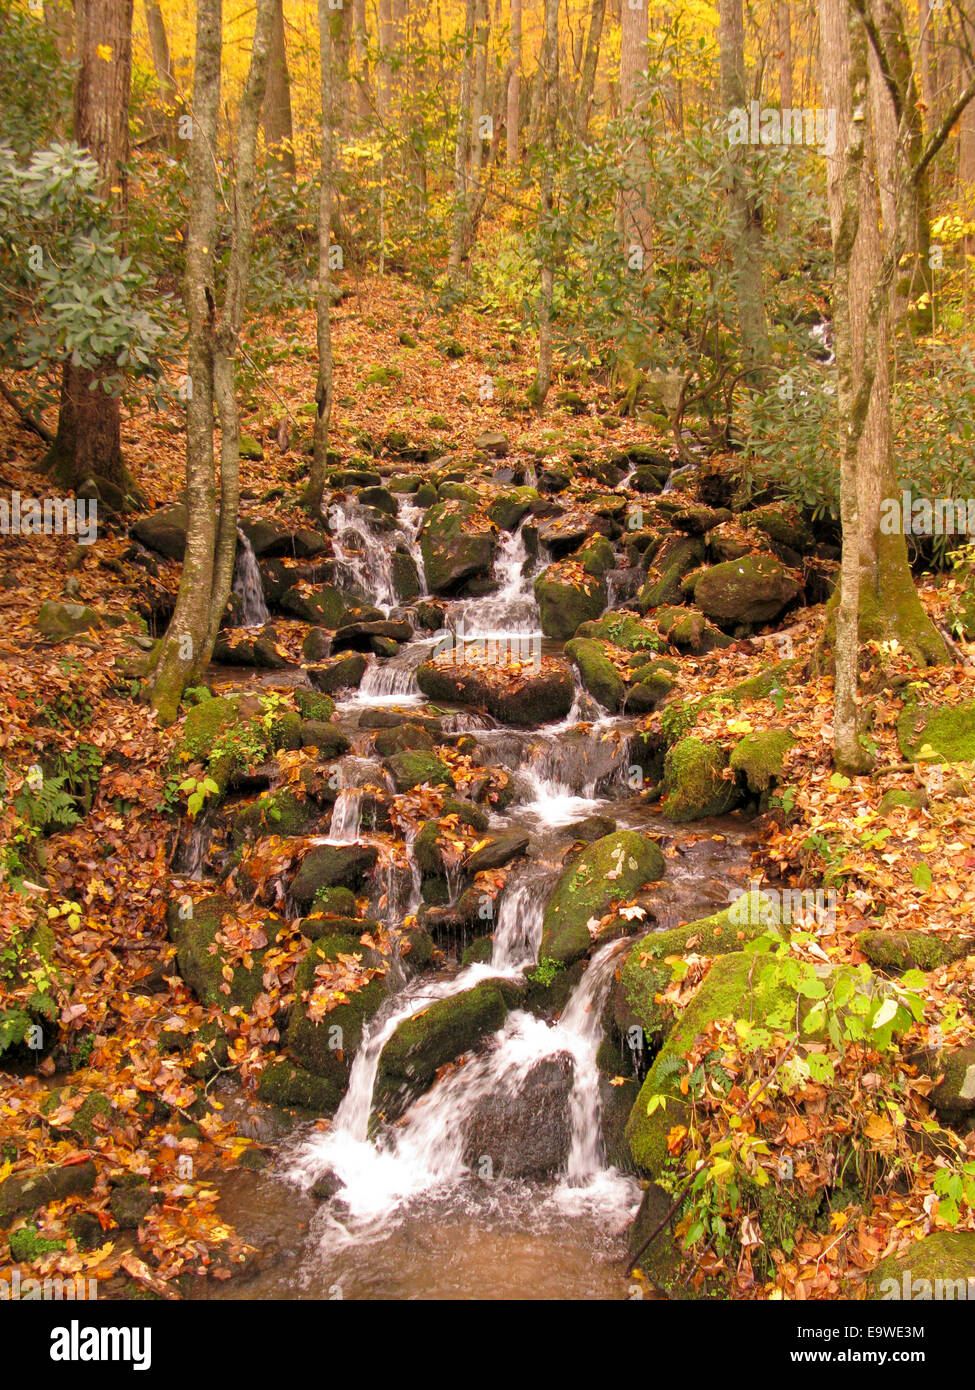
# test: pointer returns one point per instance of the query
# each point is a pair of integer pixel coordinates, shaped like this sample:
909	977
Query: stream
413	1209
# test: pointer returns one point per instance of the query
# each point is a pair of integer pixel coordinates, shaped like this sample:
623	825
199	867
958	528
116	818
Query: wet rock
421	1045
406	576
358	636
511	508
414	769
25	1192
534	693
697	520
457	543
321	604
327	738
610	870
688	630
329	866
597	672
202	957
130	1202
954	1094
592	828
752	590
339	674
523	1132
273	539
282	573
671	560
327	1046
236	648
498	850
401	739
566	600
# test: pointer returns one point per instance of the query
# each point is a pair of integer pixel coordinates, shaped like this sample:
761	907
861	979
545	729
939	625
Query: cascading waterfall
363	562
425	1151
512	608
248	585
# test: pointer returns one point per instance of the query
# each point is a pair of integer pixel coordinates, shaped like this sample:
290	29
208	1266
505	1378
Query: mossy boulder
597	672
416	768
674	558
290	1086
406	576
458	543
22	1193
746	592
694	786
937	733
609	870
939	1266
327	1046
954	1095
897	797
760	757
328	738
909	949
647	974
202	958
566	599
596	556
284	812
510	509
229	733
782	523
428	1040
59	622
624	630
312	704
330	866
321	604
727	991
403	738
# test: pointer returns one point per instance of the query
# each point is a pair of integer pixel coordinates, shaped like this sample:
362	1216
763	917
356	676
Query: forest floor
106	881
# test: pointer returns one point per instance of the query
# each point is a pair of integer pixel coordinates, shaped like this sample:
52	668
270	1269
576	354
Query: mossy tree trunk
213	334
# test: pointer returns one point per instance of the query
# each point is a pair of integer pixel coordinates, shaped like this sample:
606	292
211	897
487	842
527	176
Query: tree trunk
360	36
277	121
88	447
513	121
479	106
549	124
323	392
783	18
590	62
185	650
634	221
59	18
461	142
744	214
162	64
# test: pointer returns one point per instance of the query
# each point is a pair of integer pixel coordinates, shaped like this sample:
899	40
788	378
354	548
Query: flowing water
248	585
413	1212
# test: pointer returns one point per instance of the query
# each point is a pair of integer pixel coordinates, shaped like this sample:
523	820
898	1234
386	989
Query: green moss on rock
327	1047
609	870
761	757
937	733
693	783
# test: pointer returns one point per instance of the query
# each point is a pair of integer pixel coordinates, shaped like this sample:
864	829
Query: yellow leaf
104	50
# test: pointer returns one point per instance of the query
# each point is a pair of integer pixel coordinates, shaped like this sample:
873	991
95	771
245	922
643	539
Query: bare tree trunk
479	106
162	64
360	35
745	214
276	116
88	444
513	121
632	213
461	143
550	84
323	325
213	335
590	62
342	40
783	18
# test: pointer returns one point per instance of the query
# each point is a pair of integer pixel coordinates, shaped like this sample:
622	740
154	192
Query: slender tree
326	199
162	64
213	334
745	238
549	73
513	118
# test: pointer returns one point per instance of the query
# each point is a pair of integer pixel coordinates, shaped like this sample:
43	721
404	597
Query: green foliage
69	292
35	83
545	972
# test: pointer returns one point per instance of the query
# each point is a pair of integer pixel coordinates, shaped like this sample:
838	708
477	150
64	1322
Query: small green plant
197	789
545	972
